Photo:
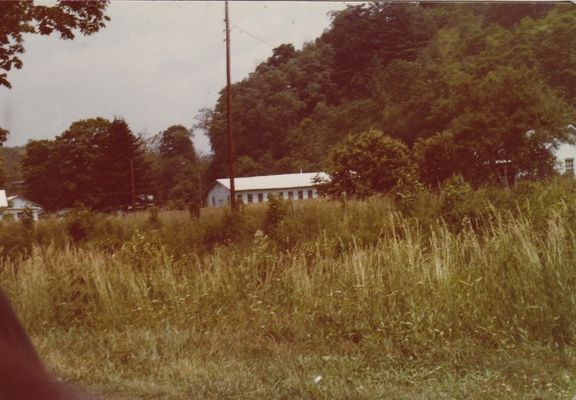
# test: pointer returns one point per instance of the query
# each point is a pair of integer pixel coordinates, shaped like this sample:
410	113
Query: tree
38	170
95	162
370	36
121	169
489	74
437	158
367	164
512	119
177	170
280	55
75	157
67	18
62	172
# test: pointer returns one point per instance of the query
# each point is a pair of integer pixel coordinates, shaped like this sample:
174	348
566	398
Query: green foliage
369	36
11	166
410	195
79	223
15	240
361	281
436	158
367	164
153	219
27	219
176	169
94	162
490	86
119	168
38	170
456	194
276	213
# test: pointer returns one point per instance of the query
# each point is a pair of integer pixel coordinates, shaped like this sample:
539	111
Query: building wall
218	196
261	196
563	153
19	202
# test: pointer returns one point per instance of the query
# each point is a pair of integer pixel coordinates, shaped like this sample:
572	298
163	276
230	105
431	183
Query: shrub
79	222
27	219
275	213
15	240
367	164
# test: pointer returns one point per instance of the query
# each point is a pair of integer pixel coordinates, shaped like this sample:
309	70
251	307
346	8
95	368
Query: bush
79	222
15	240
455	193
27	219
276	213
367	164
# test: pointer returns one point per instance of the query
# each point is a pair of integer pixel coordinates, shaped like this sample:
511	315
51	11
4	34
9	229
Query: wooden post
229	115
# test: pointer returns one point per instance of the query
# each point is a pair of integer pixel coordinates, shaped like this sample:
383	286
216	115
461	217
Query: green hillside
474	77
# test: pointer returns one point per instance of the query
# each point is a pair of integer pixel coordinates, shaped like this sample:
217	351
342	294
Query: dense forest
102	165
464	86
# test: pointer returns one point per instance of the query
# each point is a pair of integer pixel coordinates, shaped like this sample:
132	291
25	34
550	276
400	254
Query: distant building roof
24	202
283	181
3	198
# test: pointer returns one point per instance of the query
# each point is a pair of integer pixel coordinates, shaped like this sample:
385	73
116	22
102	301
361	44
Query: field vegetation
457	294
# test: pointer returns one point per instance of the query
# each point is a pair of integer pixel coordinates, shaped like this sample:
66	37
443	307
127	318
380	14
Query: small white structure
3	199
565	157
256	189
16	206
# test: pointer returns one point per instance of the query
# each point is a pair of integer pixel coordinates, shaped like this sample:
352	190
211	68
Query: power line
252	35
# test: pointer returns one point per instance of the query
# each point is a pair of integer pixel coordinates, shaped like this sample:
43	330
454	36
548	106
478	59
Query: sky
155	64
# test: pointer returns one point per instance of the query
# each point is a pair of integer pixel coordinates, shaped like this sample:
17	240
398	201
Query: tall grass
327	276
403	285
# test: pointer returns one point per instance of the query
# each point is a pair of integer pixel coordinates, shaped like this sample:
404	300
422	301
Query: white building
16	206
256	189
565	156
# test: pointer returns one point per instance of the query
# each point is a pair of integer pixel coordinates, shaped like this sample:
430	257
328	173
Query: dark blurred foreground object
22	375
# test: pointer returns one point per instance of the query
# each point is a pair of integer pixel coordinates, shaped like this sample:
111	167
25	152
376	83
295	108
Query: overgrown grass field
462	294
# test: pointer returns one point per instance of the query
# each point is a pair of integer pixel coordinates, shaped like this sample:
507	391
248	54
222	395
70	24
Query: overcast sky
155	64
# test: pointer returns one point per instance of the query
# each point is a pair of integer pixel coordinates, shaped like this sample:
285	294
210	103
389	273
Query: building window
290	195
250	198
569	163
260	197
310	194
300	195
281	194
213	201
239	198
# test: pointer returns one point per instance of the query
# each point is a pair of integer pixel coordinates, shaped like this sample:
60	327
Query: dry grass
376	304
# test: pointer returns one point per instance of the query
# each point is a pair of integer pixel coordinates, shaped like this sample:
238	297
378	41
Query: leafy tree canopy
367	164
95	162
176	169
499	77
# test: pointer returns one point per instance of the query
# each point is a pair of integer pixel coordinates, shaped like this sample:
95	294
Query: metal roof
30	203
284	181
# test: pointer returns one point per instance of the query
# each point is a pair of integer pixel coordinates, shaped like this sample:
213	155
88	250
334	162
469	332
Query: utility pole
229	114
132	184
